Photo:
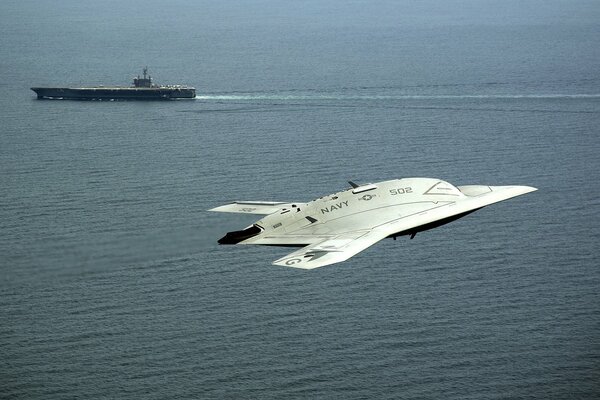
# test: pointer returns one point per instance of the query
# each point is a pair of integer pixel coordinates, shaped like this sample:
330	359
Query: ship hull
117	93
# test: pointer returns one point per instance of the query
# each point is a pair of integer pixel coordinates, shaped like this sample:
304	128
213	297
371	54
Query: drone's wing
255	207
332	250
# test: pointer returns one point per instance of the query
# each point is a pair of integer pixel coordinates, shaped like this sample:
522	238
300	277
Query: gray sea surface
112	284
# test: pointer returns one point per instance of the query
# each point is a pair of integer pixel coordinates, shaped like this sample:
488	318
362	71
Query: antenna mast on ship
146	81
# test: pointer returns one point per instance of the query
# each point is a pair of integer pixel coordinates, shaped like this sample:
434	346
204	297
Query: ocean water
112	284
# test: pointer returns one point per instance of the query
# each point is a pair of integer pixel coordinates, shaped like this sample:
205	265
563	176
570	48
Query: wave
309	97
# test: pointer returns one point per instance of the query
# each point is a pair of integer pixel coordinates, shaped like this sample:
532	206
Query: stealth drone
333	228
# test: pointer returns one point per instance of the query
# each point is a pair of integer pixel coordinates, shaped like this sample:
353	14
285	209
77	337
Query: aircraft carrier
142	89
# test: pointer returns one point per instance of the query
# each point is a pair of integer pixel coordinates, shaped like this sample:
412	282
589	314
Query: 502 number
405	190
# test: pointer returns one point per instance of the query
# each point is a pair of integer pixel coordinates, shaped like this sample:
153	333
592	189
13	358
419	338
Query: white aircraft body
334	228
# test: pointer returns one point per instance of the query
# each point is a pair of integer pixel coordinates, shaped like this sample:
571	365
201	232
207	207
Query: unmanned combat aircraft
333	228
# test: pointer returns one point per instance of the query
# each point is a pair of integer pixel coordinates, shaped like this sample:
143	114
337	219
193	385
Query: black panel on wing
238	236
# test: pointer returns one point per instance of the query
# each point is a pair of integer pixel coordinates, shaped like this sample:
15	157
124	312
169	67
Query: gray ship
142	89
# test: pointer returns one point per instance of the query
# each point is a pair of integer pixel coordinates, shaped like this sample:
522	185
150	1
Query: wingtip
528	189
